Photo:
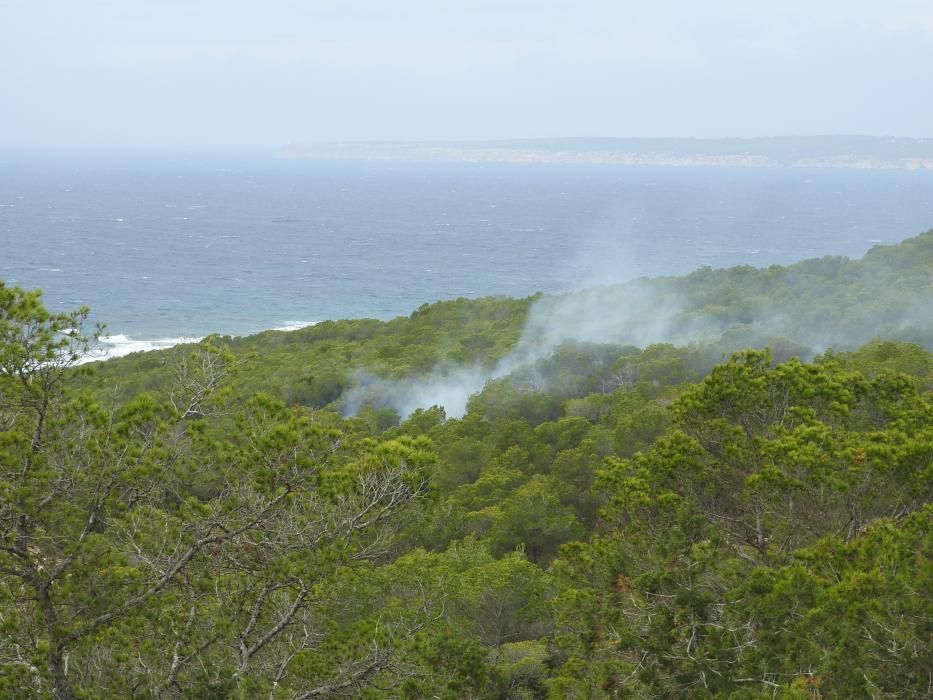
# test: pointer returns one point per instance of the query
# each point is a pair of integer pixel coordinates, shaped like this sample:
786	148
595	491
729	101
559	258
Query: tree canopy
604	521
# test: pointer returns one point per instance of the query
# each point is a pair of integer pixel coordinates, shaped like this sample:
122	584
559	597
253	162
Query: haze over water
170	246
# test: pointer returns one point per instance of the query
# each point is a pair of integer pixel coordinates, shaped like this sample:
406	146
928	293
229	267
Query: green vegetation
604	521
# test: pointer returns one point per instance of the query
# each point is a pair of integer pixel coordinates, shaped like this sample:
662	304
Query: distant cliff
858	152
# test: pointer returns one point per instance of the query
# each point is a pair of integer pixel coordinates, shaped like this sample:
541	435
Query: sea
166	247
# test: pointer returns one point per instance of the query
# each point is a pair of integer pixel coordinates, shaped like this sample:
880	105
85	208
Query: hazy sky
246	73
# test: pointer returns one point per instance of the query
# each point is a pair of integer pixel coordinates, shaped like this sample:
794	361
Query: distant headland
852	152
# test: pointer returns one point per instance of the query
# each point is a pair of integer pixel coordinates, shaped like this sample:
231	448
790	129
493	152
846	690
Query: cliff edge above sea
850	152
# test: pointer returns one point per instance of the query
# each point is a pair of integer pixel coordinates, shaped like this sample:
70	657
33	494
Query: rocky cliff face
803	152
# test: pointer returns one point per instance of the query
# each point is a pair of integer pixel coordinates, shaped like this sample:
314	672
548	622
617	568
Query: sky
263	73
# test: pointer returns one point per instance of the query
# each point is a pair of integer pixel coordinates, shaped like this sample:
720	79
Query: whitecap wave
119	345
294	325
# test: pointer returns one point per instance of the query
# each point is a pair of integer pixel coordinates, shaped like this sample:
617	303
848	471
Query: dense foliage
798	310
604	521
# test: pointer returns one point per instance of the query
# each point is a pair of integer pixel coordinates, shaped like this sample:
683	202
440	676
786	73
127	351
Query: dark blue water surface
165	246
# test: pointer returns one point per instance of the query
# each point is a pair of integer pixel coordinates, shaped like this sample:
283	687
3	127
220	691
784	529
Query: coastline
836	152
120	345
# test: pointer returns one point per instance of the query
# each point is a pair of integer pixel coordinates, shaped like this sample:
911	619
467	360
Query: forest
716	485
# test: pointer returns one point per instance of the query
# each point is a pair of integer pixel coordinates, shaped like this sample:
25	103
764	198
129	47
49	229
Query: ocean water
169	246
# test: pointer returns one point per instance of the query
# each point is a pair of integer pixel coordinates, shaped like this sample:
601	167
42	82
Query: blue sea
168	246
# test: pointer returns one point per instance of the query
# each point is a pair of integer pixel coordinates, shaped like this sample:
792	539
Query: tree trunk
56	657
62	689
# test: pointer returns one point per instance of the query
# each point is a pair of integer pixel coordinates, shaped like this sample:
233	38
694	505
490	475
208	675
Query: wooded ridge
732	503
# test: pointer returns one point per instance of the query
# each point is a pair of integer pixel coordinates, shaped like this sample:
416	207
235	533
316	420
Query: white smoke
804	309
449	386
631	314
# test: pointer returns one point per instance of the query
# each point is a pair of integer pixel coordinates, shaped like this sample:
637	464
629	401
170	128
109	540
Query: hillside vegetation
798	310
710	486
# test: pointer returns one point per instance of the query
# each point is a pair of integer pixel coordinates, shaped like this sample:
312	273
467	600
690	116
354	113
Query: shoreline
607	159
120	345
830	152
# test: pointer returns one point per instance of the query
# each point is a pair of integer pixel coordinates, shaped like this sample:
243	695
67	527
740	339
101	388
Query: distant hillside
859	152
